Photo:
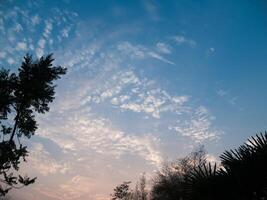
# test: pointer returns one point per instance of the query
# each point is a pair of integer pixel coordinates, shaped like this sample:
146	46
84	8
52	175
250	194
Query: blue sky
147	82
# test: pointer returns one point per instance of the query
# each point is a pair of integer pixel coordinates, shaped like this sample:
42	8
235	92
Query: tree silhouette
205	182
243	174
169	183
21	96
122	192
140	191
247	166
142	187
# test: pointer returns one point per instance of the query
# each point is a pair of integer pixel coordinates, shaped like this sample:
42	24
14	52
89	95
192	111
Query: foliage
142	188
169	183
247	166
122	192
21	96
243	174
140	192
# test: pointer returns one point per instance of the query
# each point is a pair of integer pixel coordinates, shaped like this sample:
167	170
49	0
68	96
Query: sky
148	81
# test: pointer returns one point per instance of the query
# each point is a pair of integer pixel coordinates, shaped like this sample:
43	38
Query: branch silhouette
21	96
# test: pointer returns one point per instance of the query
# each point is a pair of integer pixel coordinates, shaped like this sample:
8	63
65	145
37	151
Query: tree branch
15	127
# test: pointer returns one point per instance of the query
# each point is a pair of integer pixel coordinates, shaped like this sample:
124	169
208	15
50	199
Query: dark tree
142	188
122	192
169	183
247	167
140	192
242	176
21	96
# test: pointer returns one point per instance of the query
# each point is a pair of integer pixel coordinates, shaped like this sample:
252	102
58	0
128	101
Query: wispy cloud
20	31
21	46
48	28
152	9
210	51
198	127
17	28
212	159
141	52
181	39
10	61
233	101
83	133
229	97
163	48
222	92
41	160
35	20
2	54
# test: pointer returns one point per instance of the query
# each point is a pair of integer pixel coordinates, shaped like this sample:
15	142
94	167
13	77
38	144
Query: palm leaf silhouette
242	175
247	166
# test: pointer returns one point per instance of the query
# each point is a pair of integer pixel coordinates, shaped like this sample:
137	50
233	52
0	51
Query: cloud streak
181	39
141	52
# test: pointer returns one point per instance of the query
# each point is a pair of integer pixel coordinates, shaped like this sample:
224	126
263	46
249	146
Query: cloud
163	48
97	134
180	39
153	102
74	188
233	101
120	90
40	51
48	28
41	43
35	20
21	46
18	28
198	127
157	56
82	132
229	98
65	32
152	10
2	54
127	91
41	160
222	92
22	25
140	52
10	61
213	159
124	90
210	51
135	51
